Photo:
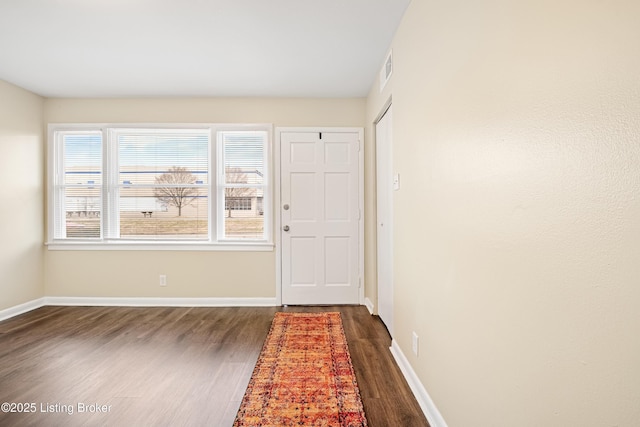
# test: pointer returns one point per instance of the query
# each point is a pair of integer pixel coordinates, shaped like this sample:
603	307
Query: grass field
167	227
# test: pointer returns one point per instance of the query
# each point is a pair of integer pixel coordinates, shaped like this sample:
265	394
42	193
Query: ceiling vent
387	70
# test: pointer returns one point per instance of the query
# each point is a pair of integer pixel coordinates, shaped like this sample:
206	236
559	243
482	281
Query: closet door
384	189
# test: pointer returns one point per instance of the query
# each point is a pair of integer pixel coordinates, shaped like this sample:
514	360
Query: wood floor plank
182	366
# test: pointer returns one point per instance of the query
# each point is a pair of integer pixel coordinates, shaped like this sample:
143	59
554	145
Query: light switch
396	181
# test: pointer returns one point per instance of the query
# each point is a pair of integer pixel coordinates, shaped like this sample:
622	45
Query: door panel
304	208
320	217
336	265
384	192
303	261
337	193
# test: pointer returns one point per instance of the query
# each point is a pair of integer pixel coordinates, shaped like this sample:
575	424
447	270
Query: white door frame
277	205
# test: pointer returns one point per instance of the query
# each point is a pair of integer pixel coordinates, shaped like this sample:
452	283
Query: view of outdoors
163	184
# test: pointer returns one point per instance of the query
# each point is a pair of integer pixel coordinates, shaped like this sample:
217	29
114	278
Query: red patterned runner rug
303	377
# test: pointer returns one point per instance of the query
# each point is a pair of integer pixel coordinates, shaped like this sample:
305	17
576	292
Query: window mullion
219	186
212	180
60	229
111	189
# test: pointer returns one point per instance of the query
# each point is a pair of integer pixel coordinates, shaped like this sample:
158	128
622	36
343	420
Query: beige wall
189	274
517	137
21	196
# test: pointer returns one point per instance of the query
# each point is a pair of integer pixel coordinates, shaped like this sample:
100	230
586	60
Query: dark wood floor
168	366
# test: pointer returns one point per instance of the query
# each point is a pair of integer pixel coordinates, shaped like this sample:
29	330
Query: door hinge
359	146
359	214
359	282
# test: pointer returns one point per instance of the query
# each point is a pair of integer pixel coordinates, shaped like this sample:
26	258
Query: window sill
161	246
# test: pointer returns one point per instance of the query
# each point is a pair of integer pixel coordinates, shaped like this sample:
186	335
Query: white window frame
216	204
220	188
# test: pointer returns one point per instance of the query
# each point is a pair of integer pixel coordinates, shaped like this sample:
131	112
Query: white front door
384	192
319	217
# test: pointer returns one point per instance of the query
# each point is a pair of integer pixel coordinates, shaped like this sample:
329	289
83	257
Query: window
77	185
154	184
241	182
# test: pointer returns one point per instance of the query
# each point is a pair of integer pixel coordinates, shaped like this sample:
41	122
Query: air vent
387	70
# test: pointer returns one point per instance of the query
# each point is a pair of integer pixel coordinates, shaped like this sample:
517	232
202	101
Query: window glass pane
244	157
82	212
244	177
144	155
244	215
82	158
145	216
163	177
79	194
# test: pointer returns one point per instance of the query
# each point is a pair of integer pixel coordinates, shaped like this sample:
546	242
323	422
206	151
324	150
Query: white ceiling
151	48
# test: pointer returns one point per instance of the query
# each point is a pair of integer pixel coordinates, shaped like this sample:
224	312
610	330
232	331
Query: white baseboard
136	302
424	400
369	305
162	302
21	308
144	302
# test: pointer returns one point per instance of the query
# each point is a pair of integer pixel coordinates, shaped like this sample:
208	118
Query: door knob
285	207
285	228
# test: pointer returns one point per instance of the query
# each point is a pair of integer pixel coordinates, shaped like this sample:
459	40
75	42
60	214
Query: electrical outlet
414	343
163	280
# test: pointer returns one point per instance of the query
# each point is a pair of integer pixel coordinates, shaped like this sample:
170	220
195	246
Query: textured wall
517	137
21	196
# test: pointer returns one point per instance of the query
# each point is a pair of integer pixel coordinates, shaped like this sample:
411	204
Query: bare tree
233	195
173	194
